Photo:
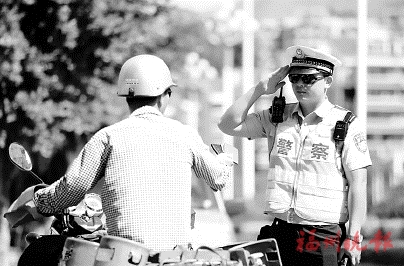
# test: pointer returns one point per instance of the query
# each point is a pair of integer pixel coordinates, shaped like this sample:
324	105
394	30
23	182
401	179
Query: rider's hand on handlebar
23	209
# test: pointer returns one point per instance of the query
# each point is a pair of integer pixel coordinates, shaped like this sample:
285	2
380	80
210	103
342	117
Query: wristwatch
356	238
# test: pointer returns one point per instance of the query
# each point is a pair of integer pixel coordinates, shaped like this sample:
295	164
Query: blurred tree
60	60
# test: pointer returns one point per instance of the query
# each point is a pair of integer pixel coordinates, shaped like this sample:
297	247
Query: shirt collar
321	111
145	110
324	108
296	109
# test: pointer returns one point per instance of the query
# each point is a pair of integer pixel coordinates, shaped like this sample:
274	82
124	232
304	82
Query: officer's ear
328	81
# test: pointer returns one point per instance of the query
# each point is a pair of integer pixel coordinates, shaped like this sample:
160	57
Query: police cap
306	60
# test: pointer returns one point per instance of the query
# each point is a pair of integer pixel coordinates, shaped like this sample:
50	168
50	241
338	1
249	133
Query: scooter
85	221
78	237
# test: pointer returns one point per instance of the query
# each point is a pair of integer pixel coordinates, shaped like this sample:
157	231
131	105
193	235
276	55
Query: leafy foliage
60	61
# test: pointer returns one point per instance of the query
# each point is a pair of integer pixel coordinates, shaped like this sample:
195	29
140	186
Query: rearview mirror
19	156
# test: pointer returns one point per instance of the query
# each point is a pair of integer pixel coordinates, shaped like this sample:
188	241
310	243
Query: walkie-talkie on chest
278	107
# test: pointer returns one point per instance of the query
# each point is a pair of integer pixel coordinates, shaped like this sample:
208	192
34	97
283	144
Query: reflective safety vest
305	171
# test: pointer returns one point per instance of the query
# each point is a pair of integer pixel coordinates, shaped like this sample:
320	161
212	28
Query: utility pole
362	58
248	146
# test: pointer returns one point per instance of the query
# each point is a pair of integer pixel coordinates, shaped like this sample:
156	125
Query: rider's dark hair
140	101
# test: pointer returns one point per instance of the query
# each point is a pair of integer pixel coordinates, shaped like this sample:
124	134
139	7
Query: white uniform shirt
355	153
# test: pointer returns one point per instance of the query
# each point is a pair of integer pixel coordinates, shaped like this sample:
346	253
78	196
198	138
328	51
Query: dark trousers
309	245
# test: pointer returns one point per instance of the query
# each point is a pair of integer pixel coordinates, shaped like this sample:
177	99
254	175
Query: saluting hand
273	82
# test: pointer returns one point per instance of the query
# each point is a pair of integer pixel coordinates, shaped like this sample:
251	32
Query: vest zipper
294	188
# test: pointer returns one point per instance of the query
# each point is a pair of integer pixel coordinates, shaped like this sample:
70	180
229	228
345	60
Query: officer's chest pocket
284	145
319	146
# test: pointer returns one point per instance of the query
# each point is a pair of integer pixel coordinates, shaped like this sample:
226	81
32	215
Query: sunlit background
60	61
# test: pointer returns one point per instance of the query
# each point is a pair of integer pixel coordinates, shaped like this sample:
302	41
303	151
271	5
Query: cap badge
299	53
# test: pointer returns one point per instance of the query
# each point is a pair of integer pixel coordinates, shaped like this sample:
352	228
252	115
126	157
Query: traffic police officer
316	179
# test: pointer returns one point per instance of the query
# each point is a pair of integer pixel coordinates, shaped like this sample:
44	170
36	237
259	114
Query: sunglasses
308	79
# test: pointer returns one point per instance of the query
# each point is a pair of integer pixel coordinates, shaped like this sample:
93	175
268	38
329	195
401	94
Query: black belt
281	222
278	221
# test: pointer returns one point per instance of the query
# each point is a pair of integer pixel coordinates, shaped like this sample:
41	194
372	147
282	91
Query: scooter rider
146	161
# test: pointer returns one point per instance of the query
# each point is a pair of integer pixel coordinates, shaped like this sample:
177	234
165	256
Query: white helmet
144	75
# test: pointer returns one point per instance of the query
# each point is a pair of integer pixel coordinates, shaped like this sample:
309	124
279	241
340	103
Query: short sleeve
355	153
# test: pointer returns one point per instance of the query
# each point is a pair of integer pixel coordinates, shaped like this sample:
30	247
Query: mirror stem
37	177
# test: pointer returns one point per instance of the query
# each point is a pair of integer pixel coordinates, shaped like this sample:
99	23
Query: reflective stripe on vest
305	172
